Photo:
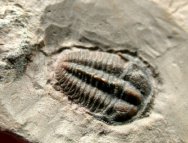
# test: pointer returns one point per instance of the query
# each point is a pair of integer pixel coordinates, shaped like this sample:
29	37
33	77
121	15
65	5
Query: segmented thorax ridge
113	88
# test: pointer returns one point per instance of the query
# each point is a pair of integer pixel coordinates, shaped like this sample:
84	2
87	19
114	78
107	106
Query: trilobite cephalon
115	88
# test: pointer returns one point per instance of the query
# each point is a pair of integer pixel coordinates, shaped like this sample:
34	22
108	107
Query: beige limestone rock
32	37
178	10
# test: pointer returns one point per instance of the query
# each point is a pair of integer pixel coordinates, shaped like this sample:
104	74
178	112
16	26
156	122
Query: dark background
9	137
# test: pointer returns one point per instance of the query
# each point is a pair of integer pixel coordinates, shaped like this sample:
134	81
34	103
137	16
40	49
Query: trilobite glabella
115	88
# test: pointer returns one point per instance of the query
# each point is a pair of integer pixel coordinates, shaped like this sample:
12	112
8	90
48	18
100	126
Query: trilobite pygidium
114	88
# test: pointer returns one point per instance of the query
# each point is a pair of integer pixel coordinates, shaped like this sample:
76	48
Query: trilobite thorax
114	88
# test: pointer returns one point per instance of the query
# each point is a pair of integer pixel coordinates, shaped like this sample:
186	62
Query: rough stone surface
33	36
178	10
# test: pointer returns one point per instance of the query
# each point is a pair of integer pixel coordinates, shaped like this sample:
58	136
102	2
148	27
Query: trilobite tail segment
94	80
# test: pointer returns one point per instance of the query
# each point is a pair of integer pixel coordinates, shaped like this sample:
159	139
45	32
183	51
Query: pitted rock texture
34	35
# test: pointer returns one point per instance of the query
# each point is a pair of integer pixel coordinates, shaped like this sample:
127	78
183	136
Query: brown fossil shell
114	88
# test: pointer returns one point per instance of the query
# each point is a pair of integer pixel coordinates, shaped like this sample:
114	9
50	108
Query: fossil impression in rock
115	88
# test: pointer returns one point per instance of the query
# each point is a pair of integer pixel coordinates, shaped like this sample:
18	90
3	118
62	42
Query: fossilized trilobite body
115	88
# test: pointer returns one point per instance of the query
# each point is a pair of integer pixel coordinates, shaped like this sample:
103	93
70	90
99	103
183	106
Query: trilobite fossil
116	88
